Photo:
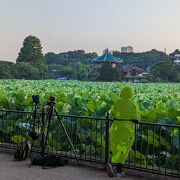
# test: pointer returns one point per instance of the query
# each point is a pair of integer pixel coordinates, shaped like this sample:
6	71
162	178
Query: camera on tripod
52	101
35	99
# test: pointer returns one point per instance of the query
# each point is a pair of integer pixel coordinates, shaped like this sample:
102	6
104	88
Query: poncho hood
127	93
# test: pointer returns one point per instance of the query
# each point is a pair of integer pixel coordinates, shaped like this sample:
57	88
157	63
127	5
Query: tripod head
35	99
52	101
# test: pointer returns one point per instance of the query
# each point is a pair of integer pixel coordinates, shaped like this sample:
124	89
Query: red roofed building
132	73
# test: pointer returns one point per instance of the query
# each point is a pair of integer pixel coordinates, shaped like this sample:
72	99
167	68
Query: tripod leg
43	137
32	125
69	140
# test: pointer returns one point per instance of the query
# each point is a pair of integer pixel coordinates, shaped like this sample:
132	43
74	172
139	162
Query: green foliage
69	57
31	53
107	73
165	71
17	138
138	158
82	70
144	59
24	70
5	69
155	101
72	64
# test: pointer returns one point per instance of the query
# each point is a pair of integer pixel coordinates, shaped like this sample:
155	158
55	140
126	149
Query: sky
92	25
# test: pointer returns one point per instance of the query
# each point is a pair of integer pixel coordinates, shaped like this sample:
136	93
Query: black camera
35	99
52	99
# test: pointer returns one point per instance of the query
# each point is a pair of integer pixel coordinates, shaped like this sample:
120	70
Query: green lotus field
158	102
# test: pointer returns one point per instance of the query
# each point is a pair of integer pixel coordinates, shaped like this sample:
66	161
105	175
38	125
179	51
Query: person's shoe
118	174
109	170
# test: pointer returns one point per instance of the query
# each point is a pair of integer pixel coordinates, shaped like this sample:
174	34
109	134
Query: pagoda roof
107	57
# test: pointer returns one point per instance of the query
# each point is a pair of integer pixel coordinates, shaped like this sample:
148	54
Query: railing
156	147
86	133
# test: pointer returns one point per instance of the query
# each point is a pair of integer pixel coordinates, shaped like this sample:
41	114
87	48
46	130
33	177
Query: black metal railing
156	147
86	133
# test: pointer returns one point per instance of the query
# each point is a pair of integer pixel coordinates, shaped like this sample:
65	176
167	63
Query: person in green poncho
122	132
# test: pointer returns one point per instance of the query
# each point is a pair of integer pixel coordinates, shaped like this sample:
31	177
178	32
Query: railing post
107	138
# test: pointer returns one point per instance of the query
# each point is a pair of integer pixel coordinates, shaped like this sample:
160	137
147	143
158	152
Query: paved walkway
14	170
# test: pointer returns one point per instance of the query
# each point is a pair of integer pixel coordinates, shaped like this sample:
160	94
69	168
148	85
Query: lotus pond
157	102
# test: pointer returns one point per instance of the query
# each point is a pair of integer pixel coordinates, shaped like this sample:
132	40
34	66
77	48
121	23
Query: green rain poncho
122	132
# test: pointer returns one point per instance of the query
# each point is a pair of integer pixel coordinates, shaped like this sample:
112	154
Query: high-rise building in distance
128	49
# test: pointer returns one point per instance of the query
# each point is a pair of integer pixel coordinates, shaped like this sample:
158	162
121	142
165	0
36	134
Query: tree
24	70
175	52
42	70
66	58
165	72
31	53
174	76
144	59
82	70
5	69
107	73
177	67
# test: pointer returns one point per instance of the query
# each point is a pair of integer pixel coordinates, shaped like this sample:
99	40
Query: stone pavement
15	170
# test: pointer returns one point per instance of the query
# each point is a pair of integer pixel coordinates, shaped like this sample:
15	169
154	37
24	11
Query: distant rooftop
127	68
177	55
107	57
128	49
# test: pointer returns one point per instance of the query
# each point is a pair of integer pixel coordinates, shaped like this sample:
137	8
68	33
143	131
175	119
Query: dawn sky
92	25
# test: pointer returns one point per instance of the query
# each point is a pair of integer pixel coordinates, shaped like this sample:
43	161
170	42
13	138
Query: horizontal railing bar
64	115
146	123
159	124
16	111
84	117
96	118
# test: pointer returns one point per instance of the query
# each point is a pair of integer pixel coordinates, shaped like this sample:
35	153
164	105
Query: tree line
31	63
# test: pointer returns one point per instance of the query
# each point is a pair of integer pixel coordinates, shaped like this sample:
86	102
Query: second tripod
46	121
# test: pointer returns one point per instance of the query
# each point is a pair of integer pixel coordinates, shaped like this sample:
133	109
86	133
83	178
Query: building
107	57
176	59
130	70
128	49
132	73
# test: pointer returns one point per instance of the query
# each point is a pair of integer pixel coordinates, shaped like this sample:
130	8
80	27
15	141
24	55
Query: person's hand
135	121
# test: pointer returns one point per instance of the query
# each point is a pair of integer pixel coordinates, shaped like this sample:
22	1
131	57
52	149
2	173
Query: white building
128	49
177	59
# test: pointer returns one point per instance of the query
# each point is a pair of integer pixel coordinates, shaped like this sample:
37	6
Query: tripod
24	147
44	134
32	133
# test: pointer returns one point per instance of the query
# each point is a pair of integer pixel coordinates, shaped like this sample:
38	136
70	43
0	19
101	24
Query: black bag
50	160
22	150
